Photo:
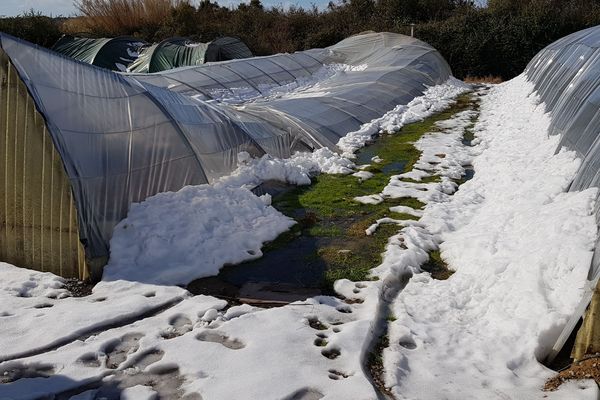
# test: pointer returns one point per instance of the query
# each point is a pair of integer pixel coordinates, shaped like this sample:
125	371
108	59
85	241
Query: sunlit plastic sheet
125	137
566	75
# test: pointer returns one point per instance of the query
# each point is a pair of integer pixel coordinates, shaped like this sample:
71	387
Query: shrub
125	17
496	40
32	27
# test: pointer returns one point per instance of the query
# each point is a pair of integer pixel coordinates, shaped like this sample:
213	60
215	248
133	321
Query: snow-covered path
520	247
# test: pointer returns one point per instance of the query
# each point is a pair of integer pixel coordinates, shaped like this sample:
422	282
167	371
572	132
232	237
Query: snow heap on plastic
243	95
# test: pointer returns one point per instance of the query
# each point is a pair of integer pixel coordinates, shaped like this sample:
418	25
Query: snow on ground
198	347
521	248
37	313
434	99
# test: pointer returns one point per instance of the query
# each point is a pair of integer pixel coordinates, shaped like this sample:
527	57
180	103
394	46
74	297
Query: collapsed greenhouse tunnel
112	53
179	52
167	131
566	75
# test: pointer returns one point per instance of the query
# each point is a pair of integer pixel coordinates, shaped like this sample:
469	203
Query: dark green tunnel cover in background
110	53
180	52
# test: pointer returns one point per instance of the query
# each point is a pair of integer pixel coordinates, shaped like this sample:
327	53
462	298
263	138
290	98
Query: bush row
497	39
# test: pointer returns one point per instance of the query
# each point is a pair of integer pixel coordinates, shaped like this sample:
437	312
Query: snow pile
521	248
173	238
434	99
296	170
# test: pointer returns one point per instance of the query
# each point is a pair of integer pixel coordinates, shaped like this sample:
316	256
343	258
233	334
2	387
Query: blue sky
66	8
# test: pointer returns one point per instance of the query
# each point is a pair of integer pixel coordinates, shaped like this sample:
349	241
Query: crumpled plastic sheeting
125	137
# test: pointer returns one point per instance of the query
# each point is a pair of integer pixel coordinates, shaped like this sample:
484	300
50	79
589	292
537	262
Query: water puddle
469	173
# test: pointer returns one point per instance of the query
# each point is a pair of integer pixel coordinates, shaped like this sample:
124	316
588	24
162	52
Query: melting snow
520	247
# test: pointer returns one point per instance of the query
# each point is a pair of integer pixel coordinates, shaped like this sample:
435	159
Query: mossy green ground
326	209
437	267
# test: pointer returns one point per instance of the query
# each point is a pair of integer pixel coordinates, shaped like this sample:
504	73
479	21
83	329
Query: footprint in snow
344	309
305	394
337	375
179	325
43	305
13	371
89	360
147	358
358	287
314	323
331	353
408	343
118	350
321	340
221	338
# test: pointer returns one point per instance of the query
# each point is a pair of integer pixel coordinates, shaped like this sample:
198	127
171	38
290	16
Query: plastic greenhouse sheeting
180	52
566	75
125	137
111	53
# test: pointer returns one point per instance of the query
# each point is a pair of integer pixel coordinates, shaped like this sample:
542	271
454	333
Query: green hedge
495	40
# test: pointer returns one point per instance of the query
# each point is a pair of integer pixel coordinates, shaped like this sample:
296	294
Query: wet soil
79	288
586	369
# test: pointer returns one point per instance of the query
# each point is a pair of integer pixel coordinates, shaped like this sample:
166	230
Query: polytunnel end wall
39	223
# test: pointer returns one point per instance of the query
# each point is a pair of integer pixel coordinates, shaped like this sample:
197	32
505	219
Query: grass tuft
437	267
